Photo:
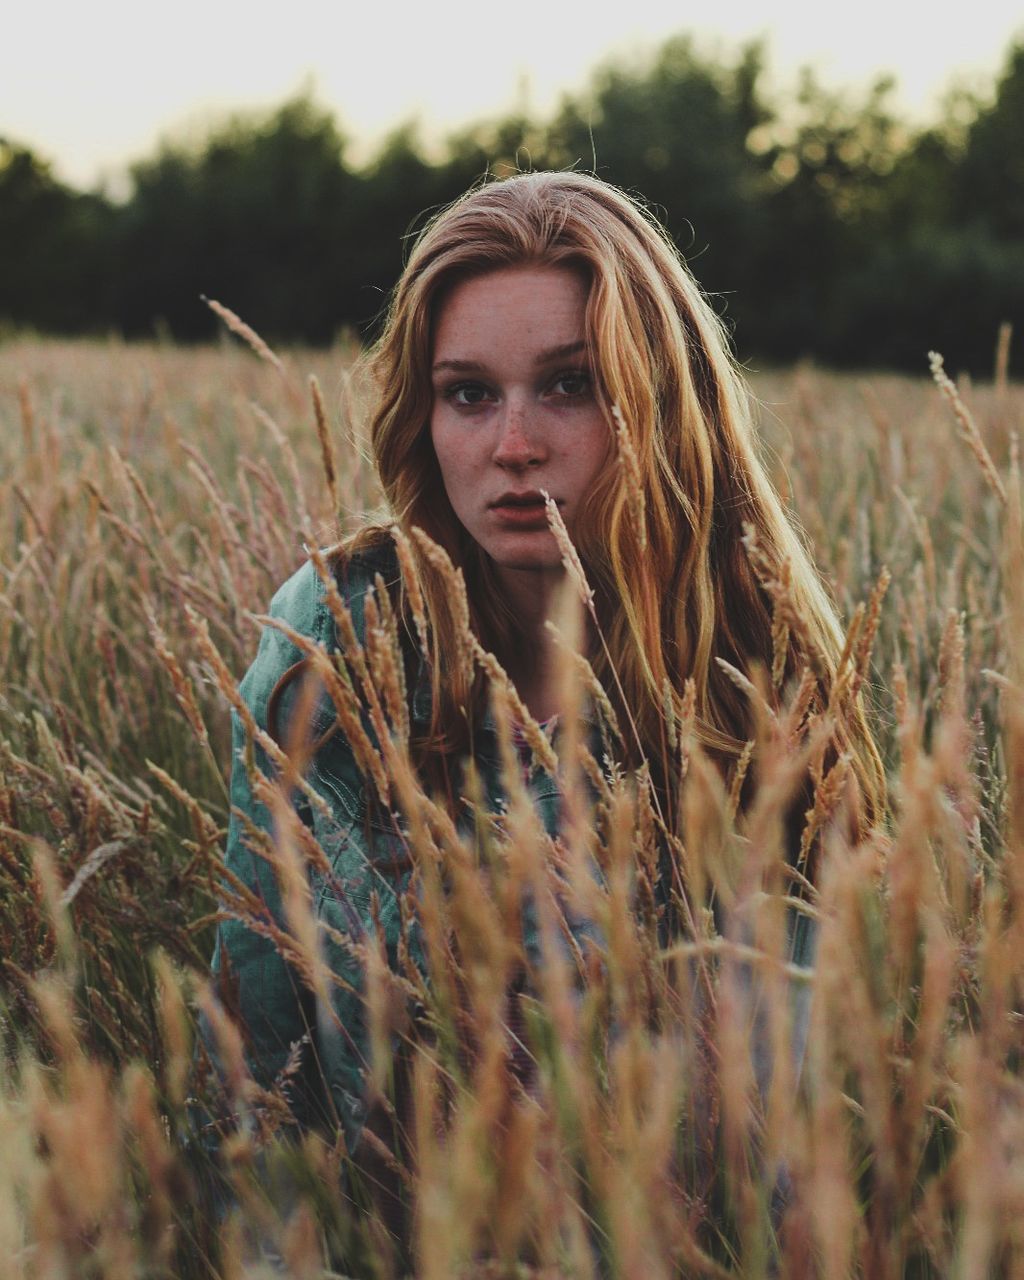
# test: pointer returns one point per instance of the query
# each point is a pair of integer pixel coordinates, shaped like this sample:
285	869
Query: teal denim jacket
363	848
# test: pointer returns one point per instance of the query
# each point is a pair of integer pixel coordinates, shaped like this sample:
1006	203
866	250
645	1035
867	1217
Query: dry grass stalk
174	1027
249	335
868	631
969	432
630	463
951	666
794	720
827	795
255	734
588	678
757	699
900	1147
739	775
385	660
323	435
543	752
925	538
337	683
1002	367
180	683
570	556
291	873
291	462
780	626
785	614
28	418
202	821
412	586
342	618
440	561
574	567
97	859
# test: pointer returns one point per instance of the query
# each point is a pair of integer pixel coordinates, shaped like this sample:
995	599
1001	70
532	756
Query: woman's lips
522	514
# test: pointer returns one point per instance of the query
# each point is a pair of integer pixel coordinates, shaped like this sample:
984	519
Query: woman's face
514	408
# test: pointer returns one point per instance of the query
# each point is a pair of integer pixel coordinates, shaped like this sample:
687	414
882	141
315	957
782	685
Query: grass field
151	500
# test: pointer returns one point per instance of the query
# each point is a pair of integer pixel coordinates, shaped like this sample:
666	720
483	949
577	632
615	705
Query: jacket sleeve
251	979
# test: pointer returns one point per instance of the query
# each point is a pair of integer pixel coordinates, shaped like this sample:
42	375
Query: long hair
677	593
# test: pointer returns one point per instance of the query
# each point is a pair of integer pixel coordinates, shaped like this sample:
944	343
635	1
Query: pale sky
91	86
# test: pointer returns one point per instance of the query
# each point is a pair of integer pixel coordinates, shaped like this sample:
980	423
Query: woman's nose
517	445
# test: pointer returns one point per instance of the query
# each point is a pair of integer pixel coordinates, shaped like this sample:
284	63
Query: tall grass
151	500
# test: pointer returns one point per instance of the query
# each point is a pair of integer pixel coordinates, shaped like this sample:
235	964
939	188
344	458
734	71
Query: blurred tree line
822	224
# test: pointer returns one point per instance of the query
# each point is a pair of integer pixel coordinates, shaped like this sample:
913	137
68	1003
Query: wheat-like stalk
413	588
323	435
630	463
582	1023
248	335
440	561
538	741
180	683
570	556
969	432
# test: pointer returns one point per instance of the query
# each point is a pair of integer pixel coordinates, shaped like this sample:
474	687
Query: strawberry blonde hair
677	593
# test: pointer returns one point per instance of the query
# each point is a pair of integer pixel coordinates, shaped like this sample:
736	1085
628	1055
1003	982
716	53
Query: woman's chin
526	561
533	549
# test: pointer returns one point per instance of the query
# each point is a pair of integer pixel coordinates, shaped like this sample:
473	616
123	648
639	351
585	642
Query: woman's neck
536	682
533	665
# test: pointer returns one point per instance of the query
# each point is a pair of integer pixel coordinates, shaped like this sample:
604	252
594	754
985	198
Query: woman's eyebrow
559	353
460	366
543	357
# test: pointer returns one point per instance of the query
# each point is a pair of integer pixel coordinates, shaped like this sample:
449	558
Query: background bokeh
841	222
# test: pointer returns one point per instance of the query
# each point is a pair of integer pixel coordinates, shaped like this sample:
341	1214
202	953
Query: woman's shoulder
302	607
353	566
356	563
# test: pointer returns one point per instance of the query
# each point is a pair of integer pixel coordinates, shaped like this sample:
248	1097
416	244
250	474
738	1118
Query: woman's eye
573	383
467	394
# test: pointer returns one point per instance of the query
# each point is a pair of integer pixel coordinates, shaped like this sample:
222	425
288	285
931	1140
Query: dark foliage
824	227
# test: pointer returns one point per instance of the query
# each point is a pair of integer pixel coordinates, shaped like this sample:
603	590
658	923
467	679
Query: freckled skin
517	412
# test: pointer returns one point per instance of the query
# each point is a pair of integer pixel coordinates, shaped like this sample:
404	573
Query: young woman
545	340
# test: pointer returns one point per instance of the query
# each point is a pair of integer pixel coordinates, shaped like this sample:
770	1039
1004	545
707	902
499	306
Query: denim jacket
364	849
363	846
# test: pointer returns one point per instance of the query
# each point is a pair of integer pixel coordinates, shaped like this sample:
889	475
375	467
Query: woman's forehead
542	307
